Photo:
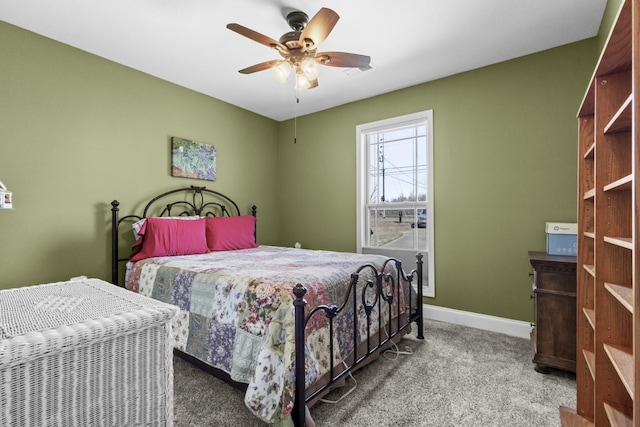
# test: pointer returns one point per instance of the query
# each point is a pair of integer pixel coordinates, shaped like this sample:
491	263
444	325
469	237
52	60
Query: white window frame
362	201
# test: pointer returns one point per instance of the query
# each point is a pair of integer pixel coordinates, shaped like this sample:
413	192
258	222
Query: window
395	190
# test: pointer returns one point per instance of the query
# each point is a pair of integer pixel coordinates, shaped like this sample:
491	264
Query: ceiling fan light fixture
310	68
302	82
282	71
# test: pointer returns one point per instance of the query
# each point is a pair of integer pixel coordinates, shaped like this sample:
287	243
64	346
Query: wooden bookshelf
608	324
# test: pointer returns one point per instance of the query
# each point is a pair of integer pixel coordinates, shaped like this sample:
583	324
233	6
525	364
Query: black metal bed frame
379	289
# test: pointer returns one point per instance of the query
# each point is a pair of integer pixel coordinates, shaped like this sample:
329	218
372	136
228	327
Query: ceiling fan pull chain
295	118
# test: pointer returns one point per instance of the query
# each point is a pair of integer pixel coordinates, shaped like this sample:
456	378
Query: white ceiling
410	41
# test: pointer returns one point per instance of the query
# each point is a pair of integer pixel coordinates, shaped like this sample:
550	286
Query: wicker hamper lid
41	318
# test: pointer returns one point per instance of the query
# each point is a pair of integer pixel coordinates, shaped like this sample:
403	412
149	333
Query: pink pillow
169	237
137	226
228	233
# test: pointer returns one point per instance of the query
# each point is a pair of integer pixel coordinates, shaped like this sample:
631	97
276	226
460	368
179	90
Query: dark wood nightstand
553	338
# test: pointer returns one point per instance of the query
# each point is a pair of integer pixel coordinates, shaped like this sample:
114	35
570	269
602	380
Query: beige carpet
457	376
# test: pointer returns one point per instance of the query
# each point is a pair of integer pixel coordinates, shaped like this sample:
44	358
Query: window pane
397	170
421	169
372	236
397	165
398	228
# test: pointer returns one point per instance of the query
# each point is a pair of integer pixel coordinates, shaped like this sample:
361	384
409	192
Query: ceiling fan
298	49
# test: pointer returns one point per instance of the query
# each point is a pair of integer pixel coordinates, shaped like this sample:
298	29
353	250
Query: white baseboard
515	328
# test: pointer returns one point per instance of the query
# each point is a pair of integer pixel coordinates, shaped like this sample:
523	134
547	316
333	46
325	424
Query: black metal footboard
382	288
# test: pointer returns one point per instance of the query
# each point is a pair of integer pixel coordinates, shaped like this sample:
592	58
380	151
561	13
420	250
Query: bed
284	324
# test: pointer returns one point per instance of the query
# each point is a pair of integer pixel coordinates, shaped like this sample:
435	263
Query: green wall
505	139
77	131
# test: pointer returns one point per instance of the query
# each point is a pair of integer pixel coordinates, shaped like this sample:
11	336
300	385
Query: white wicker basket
84	353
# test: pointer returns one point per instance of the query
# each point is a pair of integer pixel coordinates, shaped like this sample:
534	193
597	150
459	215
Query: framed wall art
192	159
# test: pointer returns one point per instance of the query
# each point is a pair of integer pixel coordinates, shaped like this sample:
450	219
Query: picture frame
193	159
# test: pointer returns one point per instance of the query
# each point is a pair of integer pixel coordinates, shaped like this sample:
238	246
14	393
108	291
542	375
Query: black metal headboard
187	201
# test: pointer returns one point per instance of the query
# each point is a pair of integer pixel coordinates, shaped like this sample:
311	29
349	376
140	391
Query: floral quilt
236	314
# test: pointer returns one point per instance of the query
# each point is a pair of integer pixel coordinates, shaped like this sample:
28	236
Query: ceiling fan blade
255	36
313	83
343	59
318	28
261	66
